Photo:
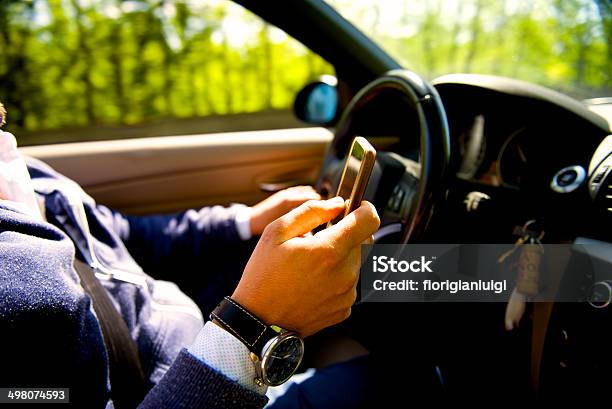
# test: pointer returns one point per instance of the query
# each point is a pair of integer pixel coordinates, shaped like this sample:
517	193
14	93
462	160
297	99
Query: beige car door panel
149	175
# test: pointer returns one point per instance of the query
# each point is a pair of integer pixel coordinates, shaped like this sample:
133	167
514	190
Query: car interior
524	152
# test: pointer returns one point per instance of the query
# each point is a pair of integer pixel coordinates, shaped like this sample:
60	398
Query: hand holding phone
355	175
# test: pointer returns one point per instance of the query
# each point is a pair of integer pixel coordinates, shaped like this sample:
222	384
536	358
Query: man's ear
2	115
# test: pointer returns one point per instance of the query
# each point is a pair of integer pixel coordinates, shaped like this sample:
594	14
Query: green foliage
66	63
563	44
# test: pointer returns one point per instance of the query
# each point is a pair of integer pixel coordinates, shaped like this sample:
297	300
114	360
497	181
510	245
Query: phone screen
350	177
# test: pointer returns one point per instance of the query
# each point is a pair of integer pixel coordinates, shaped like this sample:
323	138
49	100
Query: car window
90	69
563	44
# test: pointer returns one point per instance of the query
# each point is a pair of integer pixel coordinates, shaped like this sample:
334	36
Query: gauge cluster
518	154
522	154
528	157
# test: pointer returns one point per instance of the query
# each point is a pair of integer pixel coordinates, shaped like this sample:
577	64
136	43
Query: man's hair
2	114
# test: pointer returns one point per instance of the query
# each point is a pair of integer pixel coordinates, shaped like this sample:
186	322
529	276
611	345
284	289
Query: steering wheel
421	185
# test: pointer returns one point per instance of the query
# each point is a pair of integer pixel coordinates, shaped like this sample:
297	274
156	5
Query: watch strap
243	325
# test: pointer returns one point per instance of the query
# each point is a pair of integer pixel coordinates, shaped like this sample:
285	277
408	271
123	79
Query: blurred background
97	69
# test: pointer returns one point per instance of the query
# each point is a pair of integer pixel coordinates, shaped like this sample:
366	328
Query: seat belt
128	384
127	380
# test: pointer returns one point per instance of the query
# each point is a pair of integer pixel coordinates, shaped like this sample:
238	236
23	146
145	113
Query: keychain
528	279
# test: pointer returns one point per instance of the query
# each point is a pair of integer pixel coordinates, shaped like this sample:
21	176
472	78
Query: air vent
600	186
600	175
600	181
604	195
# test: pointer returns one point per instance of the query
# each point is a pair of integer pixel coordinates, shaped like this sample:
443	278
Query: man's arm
159	243
192	237
191	383
216	360
302	283
52	328
299	282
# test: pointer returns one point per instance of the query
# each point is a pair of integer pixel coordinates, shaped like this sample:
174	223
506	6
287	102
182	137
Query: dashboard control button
600	295
400	199
568	179
395	203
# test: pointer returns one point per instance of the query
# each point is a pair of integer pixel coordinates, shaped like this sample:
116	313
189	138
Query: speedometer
513	159
472	148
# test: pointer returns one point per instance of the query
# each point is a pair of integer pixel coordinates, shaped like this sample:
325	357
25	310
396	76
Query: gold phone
355	176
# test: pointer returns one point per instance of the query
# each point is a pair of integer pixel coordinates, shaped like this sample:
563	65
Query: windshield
565	45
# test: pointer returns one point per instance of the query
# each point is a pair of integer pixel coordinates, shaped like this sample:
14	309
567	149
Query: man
52	336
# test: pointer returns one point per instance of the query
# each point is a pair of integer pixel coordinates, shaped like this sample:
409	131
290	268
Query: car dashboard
531	152
519	153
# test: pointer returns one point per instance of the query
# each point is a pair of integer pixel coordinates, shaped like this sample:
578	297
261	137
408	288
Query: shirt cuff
225	353
243	223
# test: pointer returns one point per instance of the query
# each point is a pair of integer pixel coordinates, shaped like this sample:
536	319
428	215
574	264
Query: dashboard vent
608	195
601	173
604	195
600	184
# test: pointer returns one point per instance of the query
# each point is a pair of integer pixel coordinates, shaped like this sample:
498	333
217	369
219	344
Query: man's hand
265	212
306	283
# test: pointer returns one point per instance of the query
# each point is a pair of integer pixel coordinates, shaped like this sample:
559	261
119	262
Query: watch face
282	358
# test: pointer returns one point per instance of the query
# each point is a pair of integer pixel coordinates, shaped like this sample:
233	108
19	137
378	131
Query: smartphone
357	170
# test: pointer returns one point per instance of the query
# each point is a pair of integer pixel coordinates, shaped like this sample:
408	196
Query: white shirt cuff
222	351
243	222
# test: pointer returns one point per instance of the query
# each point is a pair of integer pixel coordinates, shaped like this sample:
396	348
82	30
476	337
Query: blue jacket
50	336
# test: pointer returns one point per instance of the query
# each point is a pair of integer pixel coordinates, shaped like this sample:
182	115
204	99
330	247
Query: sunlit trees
66	63
564	44
70	63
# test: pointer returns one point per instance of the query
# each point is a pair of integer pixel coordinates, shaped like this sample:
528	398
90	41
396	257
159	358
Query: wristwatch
275	352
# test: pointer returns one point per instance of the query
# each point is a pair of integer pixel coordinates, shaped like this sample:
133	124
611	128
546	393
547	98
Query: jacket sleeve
50	336
190	383
167	243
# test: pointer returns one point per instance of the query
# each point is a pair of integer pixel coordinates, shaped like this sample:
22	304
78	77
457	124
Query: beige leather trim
169	173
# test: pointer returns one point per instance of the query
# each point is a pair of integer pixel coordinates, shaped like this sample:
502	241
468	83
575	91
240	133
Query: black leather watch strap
243	325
